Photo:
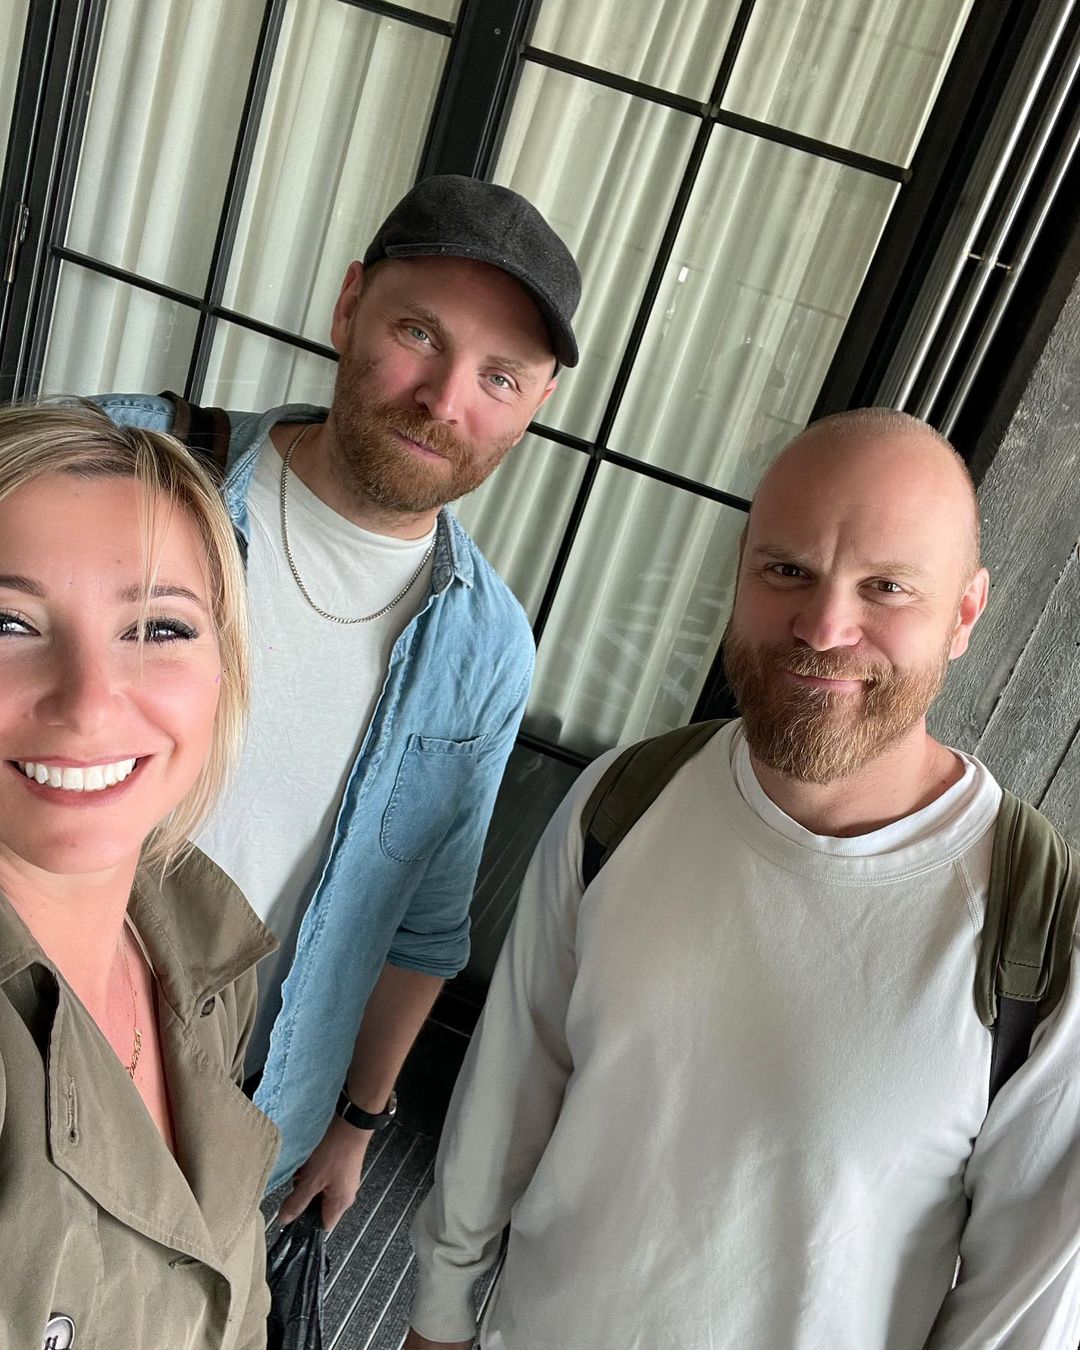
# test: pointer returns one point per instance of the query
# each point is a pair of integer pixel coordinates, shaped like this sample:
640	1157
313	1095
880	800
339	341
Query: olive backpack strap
1026	947
629	786
205	431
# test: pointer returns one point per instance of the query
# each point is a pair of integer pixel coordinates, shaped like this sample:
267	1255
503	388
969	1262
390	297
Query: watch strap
355	1115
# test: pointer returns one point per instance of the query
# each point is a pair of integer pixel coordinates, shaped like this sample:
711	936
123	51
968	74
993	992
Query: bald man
733	1093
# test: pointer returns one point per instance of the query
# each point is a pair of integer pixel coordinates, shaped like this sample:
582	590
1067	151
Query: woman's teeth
93	779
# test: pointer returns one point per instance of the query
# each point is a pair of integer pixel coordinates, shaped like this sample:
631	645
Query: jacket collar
200	935
199	930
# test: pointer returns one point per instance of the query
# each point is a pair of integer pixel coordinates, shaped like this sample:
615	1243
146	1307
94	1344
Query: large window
723	171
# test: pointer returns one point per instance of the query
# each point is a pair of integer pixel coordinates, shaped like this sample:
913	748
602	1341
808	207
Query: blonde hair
76	437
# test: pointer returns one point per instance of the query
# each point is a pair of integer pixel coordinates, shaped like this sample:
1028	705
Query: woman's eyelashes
13	624
157	631
161	631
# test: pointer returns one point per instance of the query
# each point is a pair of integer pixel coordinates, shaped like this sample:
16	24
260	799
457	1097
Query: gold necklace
136	1047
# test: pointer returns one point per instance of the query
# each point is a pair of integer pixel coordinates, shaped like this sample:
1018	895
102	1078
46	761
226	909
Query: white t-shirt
315	687
734	1097
913	829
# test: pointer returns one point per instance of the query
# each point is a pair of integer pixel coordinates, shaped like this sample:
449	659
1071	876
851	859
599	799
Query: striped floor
370	1282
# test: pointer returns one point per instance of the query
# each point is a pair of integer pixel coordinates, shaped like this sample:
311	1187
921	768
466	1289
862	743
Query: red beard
815	735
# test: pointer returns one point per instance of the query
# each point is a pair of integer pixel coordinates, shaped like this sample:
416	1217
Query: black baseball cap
457	217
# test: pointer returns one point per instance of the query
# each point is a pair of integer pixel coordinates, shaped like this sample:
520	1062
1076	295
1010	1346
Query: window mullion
46	132
239	171
478	84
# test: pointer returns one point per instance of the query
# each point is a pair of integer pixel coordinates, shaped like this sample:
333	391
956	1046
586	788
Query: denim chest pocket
433	779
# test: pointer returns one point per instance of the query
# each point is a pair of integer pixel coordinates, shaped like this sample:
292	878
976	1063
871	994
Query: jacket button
59	1334
208	1006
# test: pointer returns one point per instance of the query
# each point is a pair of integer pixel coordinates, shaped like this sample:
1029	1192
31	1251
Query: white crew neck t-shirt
315	685
735	1095
920	825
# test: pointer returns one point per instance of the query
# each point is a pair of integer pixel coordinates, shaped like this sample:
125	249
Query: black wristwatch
365	1120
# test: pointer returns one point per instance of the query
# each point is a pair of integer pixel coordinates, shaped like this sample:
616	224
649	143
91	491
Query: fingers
334	1201
333	1171
334	1205
298	1199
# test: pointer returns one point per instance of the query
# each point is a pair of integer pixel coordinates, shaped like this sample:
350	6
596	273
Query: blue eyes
502	383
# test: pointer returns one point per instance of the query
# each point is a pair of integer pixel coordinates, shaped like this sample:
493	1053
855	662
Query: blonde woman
131	1165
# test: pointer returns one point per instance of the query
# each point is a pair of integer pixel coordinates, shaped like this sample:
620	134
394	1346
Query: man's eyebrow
163	591
777	553
13	582
910	571
428	319
512	364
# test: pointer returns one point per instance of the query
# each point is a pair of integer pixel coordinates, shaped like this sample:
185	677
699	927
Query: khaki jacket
98	1222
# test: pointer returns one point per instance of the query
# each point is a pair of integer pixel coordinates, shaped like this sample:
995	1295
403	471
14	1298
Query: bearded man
391	664
733	1092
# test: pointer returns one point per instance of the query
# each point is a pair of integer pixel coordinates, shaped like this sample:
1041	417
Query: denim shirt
397	874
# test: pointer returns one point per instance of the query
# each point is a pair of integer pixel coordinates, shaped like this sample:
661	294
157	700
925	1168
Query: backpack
1023	963
205	432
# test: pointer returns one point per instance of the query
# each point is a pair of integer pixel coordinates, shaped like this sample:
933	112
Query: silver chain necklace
334	618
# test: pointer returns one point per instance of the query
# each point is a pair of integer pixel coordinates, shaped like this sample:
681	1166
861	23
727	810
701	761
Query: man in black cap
391	664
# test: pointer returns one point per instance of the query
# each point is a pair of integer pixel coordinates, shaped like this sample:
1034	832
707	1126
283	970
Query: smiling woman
127	986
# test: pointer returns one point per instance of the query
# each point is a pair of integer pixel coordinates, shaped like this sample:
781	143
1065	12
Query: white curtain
675	45
12	26
766	266
772	251
340	142
337	146
166	101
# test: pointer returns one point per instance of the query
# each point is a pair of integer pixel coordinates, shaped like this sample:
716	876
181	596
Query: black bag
296	1274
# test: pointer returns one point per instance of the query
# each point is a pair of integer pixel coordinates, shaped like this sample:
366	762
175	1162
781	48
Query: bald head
894	458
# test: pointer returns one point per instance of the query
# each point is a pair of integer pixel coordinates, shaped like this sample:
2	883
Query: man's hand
414	1341
332	1170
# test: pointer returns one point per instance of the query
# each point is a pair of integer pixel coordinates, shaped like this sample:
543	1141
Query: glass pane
12	26
608	192
338	145
164	113
437	9
639	614
858	73
107	335
672	44
760	284
518	516
250	373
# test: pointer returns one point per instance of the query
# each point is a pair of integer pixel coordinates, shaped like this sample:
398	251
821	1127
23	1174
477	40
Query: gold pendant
136	1052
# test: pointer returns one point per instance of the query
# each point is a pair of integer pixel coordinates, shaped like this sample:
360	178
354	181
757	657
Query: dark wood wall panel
1037	713
1014	698
1031	521
1062	802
